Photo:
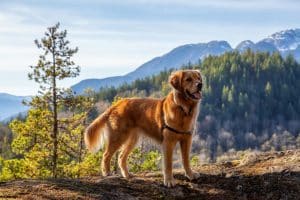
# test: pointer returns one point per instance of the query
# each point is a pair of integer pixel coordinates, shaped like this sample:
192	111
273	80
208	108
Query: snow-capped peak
285	40
244	45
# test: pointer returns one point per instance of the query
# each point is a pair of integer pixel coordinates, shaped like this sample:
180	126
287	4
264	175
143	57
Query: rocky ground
272	175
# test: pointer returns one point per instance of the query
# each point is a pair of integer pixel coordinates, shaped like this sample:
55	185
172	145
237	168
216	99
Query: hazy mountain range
286	42
11	105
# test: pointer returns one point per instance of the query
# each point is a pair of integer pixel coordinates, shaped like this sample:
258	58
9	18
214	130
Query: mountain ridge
175	58
11	105
286	42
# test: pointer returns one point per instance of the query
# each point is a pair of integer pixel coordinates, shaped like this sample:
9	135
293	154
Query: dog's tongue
197	95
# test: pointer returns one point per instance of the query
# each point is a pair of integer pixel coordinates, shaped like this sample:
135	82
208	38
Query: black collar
174	130
164	125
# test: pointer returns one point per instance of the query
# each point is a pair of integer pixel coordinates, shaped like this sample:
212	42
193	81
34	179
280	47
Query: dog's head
187	82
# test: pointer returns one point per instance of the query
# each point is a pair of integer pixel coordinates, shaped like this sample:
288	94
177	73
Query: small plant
90	166
144	161
195	161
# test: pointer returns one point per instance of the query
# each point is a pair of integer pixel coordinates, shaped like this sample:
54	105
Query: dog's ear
199	73
175	80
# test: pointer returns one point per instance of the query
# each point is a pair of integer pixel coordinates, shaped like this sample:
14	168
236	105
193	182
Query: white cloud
112	43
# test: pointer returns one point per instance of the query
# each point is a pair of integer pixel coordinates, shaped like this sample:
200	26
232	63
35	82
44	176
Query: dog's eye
189	79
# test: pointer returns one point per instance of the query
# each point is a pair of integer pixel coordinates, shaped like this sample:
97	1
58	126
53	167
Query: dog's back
139	115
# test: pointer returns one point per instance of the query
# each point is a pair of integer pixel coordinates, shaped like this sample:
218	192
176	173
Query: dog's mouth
196	95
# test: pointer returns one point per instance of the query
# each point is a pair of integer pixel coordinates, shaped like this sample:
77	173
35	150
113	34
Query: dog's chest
181	118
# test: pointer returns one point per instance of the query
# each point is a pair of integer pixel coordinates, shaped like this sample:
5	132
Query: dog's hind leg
111	148
125	151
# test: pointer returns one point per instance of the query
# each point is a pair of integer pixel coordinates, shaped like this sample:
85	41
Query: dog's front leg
185	146
168	147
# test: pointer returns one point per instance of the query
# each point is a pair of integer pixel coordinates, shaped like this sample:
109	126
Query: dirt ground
272	175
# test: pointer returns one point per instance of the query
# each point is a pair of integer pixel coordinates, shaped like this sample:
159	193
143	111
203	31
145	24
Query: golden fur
121	125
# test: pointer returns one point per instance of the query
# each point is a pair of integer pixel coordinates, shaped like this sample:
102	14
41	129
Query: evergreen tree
53	65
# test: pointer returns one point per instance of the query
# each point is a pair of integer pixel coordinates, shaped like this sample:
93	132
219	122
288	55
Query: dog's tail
95	134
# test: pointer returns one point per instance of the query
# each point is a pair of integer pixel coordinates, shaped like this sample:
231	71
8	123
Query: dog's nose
199	86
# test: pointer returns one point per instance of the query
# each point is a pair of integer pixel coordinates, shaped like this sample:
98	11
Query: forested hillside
250	100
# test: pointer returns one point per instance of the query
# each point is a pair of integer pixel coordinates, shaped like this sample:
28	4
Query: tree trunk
81	147
55	133
55	120
80	151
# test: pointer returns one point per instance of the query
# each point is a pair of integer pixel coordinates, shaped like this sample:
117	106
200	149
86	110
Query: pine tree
53	65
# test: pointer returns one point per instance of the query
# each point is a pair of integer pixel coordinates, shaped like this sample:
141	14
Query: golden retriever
168	121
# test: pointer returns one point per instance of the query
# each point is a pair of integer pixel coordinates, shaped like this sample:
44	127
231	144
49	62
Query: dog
167	121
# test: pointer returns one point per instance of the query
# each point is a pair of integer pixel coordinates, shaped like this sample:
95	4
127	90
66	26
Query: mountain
286	42
96	84
190	53
244	45
11	105
179	56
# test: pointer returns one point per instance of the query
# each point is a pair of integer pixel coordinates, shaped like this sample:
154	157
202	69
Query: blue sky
115	37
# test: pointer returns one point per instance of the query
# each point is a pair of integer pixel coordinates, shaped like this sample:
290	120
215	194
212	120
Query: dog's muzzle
199	86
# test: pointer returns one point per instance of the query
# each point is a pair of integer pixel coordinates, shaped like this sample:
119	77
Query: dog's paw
193	175
106	174
127	175
170	182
